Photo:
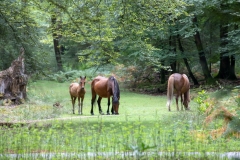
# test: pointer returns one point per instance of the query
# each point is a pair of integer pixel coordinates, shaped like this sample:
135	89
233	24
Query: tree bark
13	82
202	58
232	75
224	60
163	75
227	63
55	28
186	62
172	48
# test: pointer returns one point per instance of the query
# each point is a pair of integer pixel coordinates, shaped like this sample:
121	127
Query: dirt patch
31	123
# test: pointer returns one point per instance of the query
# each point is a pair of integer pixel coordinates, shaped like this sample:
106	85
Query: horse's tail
170	90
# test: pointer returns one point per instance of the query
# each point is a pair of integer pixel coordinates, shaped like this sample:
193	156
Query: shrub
201	101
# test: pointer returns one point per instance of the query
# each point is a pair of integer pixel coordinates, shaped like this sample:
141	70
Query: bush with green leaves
73	75
201	101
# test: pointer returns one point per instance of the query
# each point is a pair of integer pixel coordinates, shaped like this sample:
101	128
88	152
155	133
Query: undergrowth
143	130
124	139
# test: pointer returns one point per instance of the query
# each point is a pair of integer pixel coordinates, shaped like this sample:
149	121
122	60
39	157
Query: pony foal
178	83
77	90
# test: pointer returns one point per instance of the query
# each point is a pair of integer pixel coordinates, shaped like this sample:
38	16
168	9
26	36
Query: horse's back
99	80
181	82
186	85
178	81
73	86
186	78
73	89
99	86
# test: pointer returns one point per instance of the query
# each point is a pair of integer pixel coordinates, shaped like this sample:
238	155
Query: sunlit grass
43	94
143	126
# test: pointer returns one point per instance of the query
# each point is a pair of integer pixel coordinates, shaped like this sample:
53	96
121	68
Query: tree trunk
162	74
55	28
13	82
224	60
203	62
186	62
227	64
232	75
172	49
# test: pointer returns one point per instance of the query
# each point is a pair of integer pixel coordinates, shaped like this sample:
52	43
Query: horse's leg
82	104
93	100
108	106
79	105
181	102
177	101
113	110
73	102
99	104
185	101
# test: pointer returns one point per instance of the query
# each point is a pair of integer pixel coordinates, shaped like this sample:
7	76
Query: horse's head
185	103
115	104
82	82
186	100
116	93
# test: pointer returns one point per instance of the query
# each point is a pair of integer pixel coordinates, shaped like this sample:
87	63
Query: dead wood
13	81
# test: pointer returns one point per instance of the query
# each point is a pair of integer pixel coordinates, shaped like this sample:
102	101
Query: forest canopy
199	38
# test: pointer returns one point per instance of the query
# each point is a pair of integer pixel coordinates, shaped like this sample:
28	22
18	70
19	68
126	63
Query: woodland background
141	42
144	40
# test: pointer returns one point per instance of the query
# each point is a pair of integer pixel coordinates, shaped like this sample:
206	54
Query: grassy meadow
144	129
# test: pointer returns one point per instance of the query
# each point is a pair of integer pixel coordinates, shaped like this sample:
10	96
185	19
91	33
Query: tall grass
143	130
105	138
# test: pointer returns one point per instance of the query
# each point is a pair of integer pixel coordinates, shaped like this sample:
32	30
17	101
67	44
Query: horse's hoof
116	113
92	114
102	113
108	113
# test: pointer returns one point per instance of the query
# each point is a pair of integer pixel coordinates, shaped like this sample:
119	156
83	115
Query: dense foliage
151	36
140	42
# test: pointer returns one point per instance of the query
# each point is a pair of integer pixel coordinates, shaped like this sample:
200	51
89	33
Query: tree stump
13	82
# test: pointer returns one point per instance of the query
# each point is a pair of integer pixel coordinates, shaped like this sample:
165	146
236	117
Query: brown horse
179	84
105	88
77	90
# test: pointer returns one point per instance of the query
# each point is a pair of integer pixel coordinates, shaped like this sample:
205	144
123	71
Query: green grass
43	94
143	126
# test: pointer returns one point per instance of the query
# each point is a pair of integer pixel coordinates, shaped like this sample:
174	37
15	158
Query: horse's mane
115	89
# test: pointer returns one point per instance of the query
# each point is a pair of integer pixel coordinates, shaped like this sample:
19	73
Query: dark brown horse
179	84
105	88
77	90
